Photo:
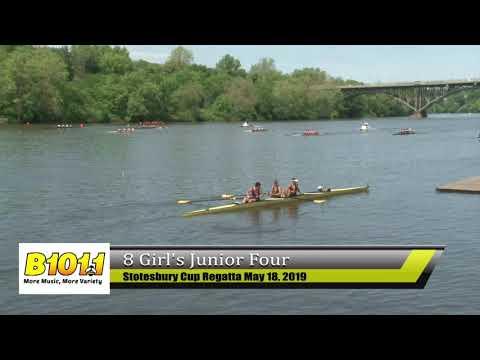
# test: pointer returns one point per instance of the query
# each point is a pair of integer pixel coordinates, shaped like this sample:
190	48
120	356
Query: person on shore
253	194
293	188
276	190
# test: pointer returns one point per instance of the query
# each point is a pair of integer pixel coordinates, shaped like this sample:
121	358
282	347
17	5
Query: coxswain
276	191
293	188
253	194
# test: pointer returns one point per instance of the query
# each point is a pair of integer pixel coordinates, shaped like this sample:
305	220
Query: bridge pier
420	114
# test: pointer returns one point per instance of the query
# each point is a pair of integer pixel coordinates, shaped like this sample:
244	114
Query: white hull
364	127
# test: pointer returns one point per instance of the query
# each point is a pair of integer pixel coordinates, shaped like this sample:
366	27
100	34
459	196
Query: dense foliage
463	102
88	83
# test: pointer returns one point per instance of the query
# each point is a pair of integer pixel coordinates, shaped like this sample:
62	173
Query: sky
365	63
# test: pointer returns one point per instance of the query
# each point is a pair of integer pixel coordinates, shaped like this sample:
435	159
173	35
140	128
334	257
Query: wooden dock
469	185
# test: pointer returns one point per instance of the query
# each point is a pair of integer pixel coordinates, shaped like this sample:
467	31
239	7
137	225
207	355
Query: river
88	185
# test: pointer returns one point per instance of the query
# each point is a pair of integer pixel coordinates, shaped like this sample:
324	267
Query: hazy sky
370	63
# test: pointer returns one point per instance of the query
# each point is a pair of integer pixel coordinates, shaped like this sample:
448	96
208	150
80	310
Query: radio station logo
64	268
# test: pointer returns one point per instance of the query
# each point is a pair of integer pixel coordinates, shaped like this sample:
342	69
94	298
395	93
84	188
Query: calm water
87	185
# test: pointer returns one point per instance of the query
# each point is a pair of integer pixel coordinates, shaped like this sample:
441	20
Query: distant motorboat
364	126
246	125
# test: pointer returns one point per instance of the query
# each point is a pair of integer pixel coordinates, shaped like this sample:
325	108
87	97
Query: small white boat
364	126
245	124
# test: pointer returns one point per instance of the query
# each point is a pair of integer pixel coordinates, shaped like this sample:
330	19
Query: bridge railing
412	84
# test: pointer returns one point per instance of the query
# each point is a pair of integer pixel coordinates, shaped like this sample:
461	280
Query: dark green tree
231	66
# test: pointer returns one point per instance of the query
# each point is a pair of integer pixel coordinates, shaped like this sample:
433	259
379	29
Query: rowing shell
276	201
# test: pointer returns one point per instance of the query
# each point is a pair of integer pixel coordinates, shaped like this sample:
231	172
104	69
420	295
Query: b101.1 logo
64	268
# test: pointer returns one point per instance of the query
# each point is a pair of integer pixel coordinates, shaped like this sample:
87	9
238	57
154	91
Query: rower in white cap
293	188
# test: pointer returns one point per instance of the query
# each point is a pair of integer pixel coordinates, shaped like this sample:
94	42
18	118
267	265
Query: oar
222	197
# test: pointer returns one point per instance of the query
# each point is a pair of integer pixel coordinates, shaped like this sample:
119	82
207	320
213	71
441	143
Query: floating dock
469	185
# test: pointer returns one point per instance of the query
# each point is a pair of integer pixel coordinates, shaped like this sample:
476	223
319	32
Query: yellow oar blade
184	202
319	201
227	196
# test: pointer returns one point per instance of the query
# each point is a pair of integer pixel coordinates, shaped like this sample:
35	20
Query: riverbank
436	116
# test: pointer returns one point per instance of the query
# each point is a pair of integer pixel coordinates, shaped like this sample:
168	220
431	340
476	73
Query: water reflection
292	212
278	214
254	217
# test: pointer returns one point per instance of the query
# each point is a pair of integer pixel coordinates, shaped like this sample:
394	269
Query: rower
253	194
293	188
276	191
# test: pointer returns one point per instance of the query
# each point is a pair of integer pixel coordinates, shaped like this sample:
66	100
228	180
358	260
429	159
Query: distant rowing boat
311	133
151	125
408	131
128	130
256	129
268	202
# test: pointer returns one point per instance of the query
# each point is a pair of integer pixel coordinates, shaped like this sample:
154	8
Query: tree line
102	84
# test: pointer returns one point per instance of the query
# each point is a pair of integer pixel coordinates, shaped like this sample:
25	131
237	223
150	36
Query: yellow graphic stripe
410	272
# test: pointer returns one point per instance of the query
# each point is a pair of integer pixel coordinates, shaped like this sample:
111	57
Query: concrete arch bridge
418	96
